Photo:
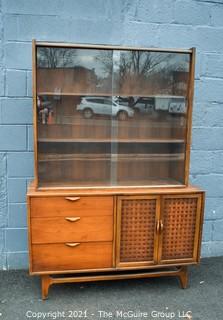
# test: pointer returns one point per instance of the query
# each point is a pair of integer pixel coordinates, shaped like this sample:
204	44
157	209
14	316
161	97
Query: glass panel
111	117
150	144
74	71
74	117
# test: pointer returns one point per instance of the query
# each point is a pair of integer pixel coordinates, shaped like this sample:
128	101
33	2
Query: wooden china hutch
112	135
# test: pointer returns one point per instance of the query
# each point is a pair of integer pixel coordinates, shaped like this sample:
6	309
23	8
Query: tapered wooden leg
183	277
46	282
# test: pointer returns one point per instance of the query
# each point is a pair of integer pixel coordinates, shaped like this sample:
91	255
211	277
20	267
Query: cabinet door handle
157	226
161	225
72	244
72	198
72	219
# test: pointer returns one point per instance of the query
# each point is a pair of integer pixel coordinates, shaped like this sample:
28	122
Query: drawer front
68	229
61	257
69	206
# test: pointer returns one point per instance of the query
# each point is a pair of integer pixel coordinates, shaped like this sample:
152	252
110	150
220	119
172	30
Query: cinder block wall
169	23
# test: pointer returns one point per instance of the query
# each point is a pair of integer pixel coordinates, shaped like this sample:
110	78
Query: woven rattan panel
137	230
179	227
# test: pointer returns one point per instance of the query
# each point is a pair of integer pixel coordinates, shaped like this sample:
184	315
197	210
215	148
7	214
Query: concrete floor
159	298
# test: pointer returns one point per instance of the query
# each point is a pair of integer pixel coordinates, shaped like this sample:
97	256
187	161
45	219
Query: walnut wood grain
61	206
47	257
58	229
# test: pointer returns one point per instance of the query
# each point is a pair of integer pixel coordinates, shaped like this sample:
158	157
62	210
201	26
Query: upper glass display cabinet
111	116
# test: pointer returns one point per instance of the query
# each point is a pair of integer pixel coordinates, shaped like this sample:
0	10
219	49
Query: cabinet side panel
189	120
34	66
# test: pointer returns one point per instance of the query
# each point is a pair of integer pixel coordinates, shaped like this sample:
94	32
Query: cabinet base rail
180	272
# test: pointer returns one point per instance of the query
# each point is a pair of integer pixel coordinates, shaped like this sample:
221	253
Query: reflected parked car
171	104
141	105
90	106
144	105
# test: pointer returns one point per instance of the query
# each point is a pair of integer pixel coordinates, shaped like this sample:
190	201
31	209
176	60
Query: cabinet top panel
111	47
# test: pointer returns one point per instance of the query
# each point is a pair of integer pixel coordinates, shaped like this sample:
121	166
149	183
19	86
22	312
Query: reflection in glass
152	73
73	71
111	117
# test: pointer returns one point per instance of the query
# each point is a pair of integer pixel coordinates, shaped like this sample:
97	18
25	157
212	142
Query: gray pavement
159	298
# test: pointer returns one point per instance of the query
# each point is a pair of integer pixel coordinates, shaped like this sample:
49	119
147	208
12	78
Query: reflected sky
104	61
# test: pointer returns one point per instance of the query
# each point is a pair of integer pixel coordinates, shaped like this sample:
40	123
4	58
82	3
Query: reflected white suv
103	106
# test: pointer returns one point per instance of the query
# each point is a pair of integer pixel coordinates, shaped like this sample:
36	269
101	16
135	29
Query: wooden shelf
109	157
153	182
85	140
51	93
105	94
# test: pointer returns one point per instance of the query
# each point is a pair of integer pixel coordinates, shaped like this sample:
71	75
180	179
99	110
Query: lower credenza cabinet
76	237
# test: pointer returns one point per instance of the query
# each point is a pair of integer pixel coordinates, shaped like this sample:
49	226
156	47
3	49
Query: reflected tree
55	57
135	70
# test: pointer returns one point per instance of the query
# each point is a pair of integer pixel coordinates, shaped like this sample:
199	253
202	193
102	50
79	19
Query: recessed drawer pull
72	219
72	244
72	198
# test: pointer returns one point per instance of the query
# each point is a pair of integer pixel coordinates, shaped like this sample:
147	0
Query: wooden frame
116	269
34	112
181	273
199	214
175	267
192	53
121	264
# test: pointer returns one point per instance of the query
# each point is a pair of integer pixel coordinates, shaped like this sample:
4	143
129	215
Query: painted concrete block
20	164
3	190
141	34
153	12
209	39
17	111
212	65
17	215
2	82
15	83
177	36
203	162
94	8
56	28
191	12
207	138
214	208
18	55
207	231
217	14
212	249
212	183
208	115
3	262
211	90
16	190
218	230
12	138
17	260
16	240
30	138
2	240
29	92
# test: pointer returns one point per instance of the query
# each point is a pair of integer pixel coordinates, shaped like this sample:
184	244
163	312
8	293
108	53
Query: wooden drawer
57	257
68	229
69	206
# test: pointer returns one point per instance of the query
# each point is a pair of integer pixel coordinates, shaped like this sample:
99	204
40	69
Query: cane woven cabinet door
137	238
179	228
